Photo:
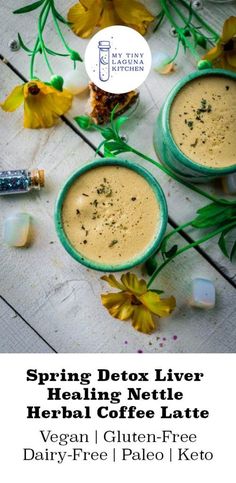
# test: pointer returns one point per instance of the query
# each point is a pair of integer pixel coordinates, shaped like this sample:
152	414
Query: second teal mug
166	148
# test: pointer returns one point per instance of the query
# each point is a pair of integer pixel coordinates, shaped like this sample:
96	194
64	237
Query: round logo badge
118	59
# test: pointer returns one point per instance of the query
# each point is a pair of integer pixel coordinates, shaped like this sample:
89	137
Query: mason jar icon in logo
104	60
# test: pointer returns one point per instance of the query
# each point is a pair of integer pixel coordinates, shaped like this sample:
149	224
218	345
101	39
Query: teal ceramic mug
161	226
166	148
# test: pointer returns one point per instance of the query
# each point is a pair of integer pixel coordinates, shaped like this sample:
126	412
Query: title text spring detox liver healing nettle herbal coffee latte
110	214
203	121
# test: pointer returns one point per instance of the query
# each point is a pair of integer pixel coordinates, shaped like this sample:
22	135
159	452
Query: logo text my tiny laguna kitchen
118	59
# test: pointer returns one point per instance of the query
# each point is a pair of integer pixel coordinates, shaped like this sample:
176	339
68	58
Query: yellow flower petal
43	109
113	282
109	16
134	14
14	100
224	53
142	320
229	29
214	53
167	69
84	16
156	305
133	284
118	305
231	60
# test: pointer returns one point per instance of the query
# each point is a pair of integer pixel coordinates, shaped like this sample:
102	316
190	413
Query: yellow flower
136	302
223	55
43	104
85	15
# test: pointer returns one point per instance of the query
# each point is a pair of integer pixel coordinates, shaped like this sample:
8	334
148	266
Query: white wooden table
49	303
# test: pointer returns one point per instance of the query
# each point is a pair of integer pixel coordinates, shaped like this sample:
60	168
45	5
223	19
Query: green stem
44	20
202	21
176	230
185	248
40	30
179	13
178	29
160	19
176	52
187	22
170	173
59	30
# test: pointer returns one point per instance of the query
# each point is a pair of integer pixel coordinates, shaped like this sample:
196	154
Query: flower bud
75	56
57	81
85	122
201	41
204	64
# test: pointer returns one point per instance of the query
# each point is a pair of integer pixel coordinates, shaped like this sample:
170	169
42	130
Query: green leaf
159	18
22	44
164	245
60	18
233	252
224	202
151	265
187	33
114	146
113	112
52	52
214	214
107	153
75	56
159	292
222	244
201	40
29	8
107	133
170	253
85	122
119	122
100	146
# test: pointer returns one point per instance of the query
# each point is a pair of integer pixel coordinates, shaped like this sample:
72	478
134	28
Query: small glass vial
104	60
21	181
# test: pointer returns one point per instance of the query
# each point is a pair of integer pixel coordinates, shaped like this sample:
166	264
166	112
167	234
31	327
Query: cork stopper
41	177
38	178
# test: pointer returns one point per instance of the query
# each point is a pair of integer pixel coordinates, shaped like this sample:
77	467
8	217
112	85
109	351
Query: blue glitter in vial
14	181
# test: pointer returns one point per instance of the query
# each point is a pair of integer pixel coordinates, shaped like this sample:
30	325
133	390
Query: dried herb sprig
219	216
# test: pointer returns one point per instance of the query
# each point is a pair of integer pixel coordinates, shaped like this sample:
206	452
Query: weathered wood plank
16	336
182	202
59	297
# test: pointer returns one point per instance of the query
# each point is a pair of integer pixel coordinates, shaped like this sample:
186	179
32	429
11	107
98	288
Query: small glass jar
21	181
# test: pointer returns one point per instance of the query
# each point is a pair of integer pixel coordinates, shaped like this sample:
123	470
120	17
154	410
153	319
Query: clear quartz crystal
16	229
203	294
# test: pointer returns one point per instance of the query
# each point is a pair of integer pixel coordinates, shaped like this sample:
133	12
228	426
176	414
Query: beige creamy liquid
110	214
203	121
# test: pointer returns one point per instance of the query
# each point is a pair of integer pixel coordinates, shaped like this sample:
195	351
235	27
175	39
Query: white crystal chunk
229	184
16	229
159	61
76	81
203	293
